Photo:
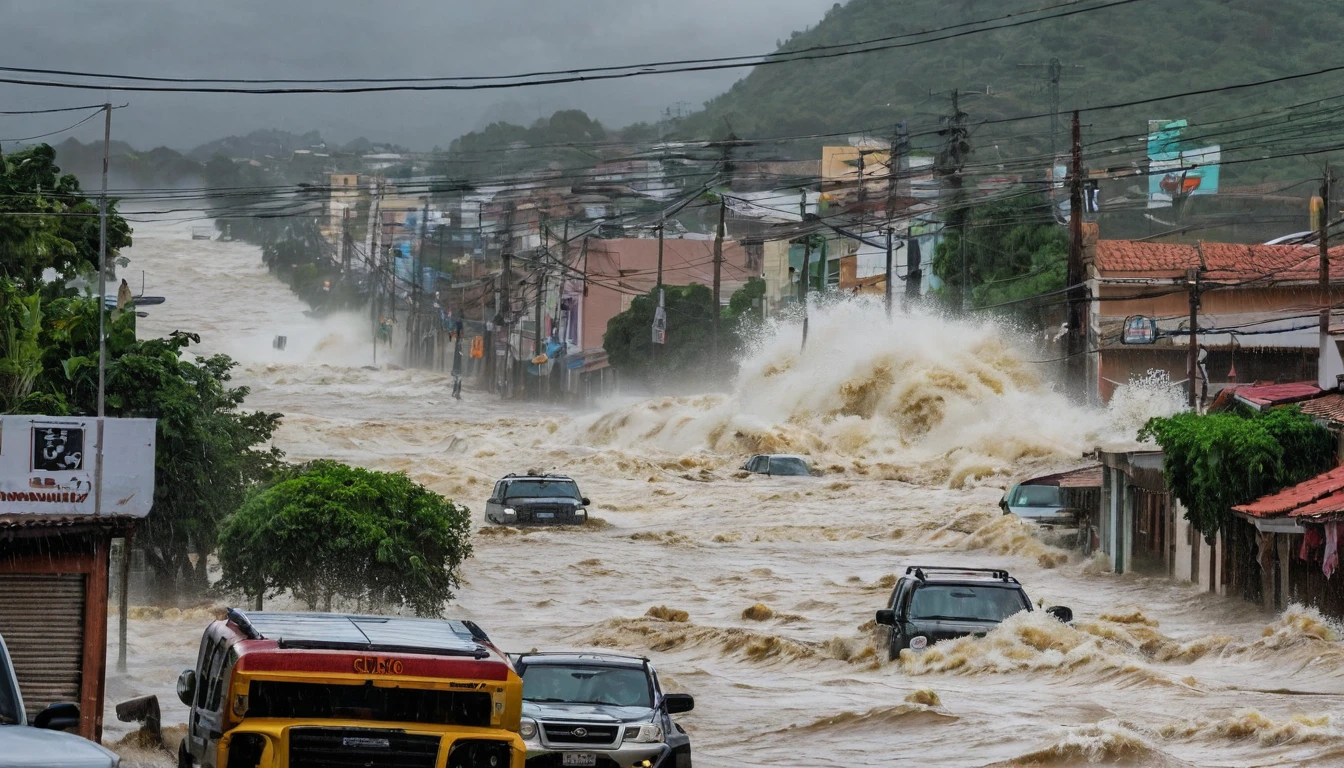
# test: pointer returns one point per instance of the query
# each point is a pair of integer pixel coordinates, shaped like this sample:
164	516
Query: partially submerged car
41	743
778	464
310	689
1044	504
933	603
599	709
537	500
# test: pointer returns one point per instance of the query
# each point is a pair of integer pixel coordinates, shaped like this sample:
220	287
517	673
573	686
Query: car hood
24	745
592	713
548	500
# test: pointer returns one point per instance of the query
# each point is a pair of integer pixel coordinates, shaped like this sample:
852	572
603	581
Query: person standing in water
457	361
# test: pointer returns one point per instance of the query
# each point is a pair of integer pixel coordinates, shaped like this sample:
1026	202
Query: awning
1316	500
1083	477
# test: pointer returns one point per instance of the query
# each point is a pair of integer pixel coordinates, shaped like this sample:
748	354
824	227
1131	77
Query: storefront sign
1139	330
49	466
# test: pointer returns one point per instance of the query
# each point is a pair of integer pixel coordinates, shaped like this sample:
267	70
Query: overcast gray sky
391	38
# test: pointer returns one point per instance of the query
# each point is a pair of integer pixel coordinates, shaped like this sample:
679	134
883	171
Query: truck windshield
614	686
319	701
954	602
10	706
1037	496
542	489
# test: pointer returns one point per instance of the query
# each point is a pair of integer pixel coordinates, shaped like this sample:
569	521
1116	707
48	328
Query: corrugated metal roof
1277	394
1321	496
1083	477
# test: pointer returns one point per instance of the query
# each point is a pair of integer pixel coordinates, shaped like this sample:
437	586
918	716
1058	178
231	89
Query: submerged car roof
349	631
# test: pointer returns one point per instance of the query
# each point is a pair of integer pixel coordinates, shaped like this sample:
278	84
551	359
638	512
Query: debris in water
663	613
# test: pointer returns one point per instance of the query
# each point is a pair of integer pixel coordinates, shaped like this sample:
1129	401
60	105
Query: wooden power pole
1192	354
1324	238
1076	339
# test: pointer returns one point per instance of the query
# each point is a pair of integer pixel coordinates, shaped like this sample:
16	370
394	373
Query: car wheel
183	756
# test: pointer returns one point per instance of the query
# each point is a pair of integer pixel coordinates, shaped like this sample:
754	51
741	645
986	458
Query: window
579	684
788	466
1037	496
970	603
209	668
541	488
319	701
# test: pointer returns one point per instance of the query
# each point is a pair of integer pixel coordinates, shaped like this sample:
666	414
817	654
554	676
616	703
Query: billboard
49	466
1179	165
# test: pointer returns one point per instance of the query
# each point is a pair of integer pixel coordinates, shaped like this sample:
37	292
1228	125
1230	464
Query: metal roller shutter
42	621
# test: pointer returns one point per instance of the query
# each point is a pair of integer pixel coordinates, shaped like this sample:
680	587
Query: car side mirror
186	686
1003	504
58	717
679	702
585	501
886	618
1060	612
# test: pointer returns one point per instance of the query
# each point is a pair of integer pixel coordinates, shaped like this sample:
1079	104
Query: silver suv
41	743
600	710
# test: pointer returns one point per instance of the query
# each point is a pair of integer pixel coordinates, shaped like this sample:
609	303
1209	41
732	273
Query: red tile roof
1221	261
1329	406
1278	394
1320	496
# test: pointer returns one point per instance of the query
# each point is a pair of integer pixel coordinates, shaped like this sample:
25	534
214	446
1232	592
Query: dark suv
602	710
537	500
932	603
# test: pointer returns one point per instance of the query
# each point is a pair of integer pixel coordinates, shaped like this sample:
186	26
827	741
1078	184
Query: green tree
208	451
47	223
1219	460
690	312
328	530
1014	249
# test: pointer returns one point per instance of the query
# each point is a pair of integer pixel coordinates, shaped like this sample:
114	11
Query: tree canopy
66	239
690	326
1014	249
326	530
1219	460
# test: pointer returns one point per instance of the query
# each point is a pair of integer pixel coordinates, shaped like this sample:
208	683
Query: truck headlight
919	643
510	512
527	729
645	733
580	511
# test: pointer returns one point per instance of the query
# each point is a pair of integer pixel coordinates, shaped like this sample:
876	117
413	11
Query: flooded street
917	430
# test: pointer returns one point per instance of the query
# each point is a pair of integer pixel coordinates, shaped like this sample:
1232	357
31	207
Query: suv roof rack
919	572
597	654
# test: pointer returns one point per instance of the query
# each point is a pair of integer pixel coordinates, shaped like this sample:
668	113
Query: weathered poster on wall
1180	165
49	466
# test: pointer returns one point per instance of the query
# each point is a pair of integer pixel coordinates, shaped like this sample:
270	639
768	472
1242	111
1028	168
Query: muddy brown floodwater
918	426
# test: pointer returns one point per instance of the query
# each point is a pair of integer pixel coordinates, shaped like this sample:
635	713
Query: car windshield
541	489
578	684
9	698
788	465
947	601
1037	496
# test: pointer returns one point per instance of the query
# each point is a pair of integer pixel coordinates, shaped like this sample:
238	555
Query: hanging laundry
1311	541
1264	543
1331	560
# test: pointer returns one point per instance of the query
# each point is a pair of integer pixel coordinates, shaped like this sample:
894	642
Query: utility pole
727	172
1192	357
891	276
419	257
1324	237
1076	344
803	278
373	251
1054	72
659	313
950	162
506	305
914	272
718	270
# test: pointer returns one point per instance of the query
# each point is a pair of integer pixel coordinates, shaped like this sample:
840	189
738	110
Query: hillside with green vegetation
1113	55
